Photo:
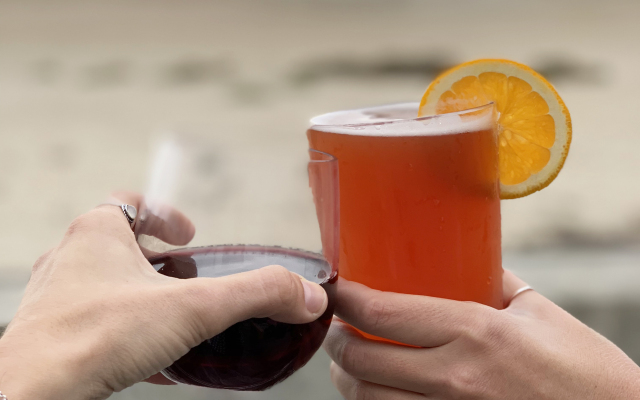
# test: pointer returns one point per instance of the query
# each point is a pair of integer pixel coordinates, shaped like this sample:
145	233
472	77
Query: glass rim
394	121
329	157
221	248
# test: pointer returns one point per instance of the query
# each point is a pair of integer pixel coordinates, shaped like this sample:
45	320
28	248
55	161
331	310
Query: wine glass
249	211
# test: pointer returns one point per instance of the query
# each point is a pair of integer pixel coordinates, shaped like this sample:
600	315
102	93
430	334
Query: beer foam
399	120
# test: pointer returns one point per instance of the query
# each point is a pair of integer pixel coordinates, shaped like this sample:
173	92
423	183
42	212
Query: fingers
126	197
217	303
98	235
416	320
102	222
164	222
387	364
355	389
510	286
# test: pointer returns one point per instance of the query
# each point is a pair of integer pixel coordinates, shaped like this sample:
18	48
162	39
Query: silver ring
130	213
521	290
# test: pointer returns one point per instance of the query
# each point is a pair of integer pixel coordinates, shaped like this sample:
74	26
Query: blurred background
85	85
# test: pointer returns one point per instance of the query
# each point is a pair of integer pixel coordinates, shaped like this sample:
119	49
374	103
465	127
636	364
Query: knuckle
361	391
103	222
41	261
287	284
351	358
496	329
465	381
378	312
489	329
81	224
93	220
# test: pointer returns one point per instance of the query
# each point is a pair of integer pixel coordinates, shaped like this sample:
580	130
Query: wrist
27	371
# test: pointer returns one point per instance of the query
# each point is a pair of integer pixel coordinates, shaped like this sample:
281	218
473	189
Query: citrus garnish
534	125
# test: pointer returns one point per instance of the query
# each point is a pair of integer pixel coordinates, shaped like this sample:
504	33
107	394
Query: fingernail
314	296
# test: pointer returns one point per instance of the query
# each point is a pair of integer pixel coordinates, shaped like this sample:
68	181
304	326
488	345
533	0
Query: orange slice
534	125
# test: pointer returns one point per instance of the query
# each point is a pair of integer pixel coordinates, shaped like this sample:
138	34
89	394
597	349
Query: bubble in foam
399	120
445	120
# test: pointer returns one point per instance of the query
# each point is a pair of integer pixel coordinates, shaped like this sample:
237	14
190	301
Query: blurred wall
85	84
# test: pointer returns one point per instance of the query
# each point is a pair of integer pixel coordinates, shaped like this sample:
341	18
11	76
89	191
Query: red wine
257	353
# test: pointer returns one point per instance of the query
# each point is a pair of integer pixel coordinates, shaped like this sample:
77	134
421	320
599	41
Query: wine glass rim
230	248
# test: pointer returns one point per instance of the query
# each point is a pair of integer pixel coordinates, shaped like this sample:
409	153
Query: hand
530	350
96	317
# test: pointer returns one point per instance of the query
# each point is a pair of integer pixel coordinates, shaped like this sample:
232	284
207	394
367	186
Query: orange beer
419	200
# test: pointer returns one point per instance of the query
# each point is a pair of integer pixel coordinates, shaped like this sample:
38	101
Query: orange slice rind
534	126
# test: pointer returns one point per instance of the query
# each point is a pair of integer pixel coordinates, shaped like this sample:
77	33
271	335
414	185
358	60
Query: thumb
217	303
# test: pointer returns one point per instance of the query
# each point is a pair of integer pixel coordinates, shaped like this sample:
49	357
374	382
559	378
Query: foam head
401	120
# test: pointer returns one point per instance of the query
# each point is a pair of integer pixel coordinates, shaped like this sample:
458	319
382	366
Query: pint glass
420	200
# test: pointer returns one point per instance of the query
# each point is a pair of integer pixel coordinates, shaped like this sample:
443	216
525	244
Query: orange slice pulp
534	126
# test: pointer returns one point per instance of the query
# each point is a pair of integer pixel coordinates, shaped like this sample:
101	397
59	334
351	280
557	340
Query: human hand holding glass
532	349
97	317
259	352
421	229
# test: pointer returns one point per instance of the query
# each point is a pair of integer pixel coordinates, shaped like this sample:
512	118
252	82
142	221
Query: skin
530	350
97	318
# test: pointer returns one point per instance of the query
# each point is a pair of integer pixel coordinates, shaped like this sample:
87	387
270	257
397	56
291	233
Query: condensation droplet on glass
322	275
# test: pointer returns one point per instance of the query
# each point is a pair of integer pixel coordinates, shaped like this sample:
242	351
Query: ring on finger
520	291
129	211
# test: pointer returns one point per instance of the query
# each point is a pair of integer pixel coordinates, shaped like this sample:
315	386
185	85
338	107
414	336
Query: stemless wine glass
269	210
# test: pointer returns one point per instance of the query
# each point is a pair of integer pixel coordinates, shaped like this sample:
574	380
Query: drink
257	353
419	200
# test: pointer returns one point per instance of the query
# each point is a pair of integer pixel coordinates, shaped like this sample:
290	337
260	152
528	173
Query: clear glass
420	200
232	201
